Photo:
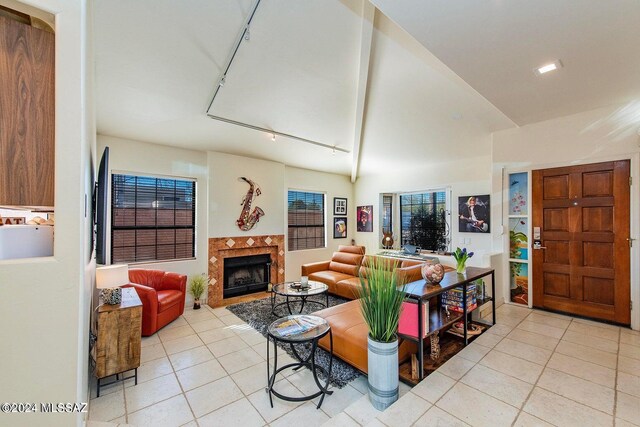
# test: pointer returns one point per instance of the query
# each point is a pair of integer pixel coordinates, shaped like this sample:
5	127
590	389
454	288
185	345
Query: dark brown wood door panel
584	216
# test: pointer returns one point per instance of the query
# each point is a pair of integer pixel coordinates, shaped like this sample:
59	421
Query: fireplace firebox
246	274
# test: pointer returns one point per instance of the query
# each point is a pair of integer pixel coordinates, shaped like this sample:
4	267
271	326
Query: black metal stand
302	300
308	362
118	379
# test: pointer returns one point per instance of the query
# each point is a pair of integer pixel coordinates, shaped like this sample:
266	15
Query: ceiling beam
368	15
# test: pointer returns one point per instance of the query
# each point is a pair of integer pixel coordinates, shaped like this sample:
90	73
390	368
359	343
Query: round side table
293	293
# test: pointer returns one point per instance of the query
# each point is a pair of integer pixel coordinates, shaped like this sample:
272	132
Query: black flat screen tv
102	207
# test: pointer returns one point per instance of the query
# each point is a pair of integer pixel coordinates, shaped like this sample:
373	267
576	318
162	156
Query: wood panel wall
27	128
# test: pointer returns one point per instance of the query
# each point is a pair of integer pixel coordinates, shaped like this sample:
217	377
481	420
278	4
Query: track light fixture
273	136
222	81
247	34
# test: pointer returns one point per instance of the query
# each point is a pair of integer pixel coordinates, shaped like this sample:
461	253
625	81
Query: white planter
382	366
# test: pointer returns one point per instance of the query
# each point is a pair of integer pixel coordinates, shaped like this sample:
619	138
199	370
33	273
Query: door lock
537	244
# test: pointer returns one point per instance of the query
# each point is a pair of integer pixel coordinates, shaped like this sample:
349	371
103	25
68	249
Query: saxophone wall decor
248	219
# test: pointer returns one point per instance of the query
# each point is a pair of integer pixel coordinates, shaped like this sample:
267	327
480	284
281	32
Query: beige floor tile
531	338
341	420
253	338
191	423
548	320
195	316
227	345
93	423
476	408
623	423
549	331
629	365
488	340
261	349
201	374
207	325
151	370
524	351
456	367
151	352
151	392
104	390
191	357
561	411
362	411
588	354
630	337
501	386
147	341
252	379
500	330
303	381
628	408
240	413
182	344
596	323
582	369
180	321
527	420
474	352
312	417
213	395
106	408
260	401
234	362
232	320
169	413
582	391
507	320
375	423
405	411
177	332
628	383
339	400
514	310
220	311
513	366
589	341
552	314
437	417
595	331
433	387
631	351
215	335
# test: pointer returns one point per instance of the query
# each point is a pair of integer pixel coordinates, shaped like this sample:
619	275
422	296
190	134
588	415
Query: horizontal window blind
423	220
306	227
152	219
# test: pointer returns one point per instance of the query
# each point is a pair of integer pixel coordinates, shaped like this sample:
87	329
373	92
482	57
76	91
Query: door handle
538	245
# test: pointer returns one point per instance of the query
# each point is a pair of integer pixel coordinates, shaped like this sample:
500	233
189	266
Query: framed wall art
474	214
364	216
339	206
340	227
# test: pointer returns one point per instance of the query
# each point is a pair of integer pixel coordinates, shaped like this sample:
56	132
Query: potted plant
461	256
197	285
381	302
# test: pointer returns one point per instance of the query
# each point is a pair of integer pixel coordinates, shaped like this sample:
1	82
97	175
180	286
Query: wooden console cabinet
119	330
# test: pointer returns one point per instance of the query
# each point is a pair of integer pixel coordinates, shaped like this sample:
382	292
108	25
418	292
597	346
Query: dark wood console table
422	292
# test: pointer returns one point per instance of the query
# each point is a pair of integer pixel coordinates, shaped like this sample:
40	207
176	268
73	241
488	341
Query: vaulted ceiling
411	83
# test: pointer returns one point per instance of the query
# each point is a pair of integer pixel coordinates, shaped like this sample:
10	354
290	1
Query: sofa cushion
328	277
352	249
346	263
169	298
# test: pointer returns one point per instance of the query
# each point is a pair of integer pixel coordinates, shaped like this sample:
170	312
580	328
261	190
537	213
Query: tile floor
208	368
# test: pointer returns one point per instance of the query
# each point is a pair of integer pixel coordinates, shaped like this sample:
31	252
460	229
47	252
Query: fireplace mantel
225	247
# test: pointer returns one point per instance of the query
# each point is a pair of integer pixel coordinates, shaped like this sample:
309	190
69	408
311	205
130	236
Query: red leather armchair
162	295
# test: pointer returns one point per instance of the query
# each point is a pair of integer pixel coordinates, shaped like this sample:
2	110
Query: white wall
44	301
333	186
226	192
145	158
593	136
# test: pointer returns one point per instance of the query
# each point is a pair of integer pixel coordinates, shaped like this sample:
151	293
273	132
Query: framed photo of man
364	218
339	206
340	227
474	214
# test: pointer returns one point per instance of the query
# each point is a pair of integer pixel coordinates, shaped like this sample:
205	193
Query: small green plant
461	256
197	285
381	297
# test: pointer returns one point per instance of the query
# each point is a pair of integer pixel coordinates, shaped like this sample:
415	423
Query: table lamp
109	279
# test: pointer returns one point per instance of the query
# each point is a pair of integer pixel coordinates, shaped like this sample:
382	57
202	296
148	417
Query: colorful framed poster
340	227
518	195
519	282
474	214
364	216
518	239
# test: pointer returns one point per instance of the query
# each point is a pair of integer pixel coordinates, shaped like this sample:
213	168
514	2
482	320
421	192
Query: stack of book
453	299
298	325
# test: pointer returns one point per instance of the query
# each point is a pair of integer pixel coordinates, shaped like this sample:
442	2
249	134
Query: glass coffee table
295	294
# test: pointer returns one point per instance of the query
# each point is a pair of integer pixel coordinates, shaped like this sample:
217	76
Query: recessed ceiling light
548	67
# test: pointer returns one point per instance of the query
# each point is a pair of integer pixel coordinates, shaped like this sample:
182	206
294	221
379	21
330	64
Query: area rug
258	315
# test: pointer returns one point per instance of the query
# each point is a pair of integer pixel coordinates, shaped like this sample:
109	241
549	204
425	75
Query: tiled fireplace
221	248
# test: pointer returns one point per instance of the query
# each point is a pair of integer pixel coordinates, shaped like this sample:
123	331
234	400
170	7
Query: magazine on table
298	325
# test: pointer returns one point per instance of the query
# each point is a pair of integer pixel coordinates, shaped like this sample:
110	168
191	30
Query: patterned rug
258	315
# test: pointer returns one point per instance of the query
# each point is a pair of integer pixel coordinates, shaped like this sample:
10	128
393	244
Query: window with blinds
152	219
306	225
423	220
387	213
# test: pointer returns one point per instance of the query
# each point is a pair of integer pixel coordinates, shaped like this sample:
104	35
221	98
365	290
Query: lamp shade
112	276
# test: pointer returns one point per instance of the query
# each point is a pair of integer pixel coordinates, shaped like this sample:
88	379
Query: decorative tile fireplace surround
227	247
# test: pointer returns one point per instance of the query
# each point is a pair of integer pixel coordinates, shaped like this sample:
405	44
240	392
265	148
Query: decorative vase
111	296
461	266
432	273
196	304
382	369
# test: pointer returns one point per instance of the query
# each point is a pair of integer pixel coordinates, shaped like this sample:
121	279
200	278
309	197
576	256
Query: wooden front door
583	265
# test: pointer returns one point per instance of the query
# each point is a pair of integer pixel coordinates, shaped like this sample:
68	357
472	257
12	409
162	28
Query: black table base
296	299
